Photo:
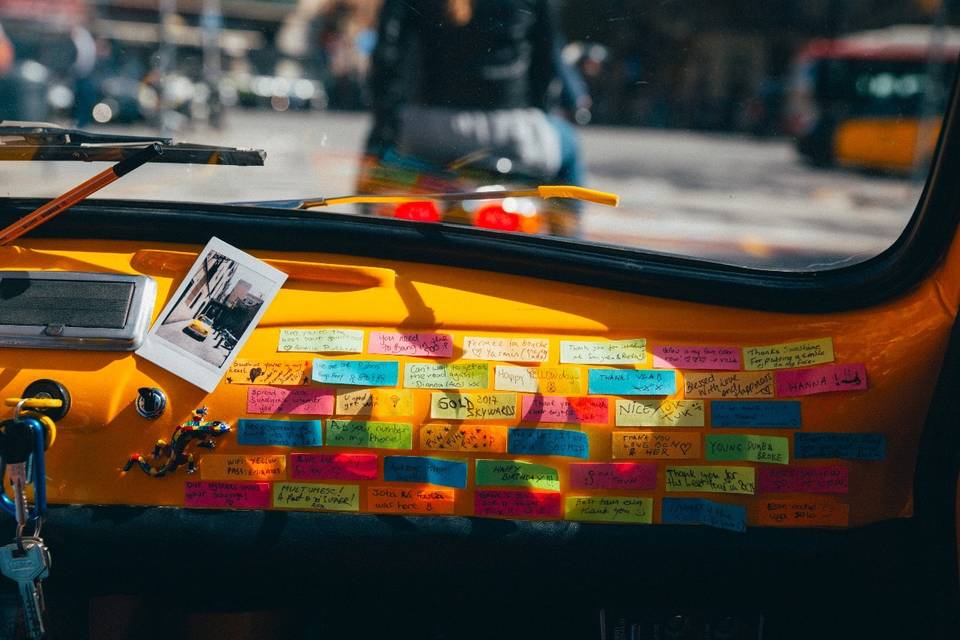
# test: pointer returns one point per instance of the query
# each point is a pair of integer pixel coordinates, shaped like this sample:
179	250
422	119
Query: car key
28	567
16	445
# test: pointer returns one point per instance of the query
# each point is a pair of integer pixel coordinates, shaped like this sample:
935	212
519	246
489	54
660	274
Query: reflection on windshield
798	138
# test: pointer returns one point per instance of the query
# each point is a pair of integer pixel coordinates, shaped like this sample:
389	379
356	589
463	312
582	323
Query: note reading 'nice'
659	413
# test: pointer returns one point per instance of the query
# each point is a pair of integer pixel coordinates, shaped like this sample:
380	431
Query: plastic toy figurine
167	457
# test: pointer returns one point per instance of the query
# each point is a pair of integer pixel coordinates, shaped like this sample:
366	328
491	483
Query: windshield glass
790	136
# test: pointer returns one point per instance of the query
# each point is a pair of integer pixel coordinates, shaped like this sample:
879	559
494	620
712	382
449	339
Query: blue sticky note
548	442
282	433
699	511
445	473
851	446
770	413
632	382
361	373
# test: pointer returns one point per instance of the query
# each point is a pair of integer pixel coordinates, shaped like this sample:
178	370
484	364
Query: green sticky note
771	449
372	435
470	375
511	473
609	509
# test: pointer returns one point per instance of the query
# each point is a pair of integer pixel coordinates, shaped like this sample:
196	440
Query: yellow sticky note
376	403
788	355
659	413
613	352
506	349
454	437
722	384
712	479
550	380
609	509
473	406
310	496
468	375
657	444
234	467
321	340
268	373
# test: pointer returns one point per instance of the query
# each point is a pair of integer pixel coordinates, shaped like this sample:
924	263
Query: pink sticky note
711	358
333	466
579	410
613	475
431	345
772	479
517	504
316	401
227	495
833	377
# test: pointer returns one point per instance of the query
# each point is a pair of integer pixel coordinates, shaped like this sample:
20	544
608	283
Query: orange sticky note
232	467
410	501
657	444
803	513
449	437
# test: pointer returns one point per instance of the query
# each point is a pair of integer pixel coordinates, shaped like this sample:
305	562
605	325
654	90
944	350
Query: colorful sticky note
473	406
280	433
712	479
358	373
659	413
632	382
717	384
788	355
375	403
748	448
333	466
613	352
513	473
838	377
565	409
235	467
656	444
765	414
447	437
445	473
506	349
316	497
430	345
852	446
684	357
268	372
538	379
802	513
469	375
294	400
631	510
707	512
638	476
833	479
321	340
548	442
516	504
226	495
372	435
410	501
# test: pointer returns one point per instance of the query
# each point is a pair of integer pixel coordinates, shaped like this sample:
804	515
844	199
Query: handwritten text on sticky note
548	442
565	409
712	479
828	479
410	501
426	470
234	467
333	466
766	414
268	372
802	513
468	375
788	355
613	352
376	403
359	373
638	476
513	473
448	437
517	504
538	379
281	433
292	400
748	448
717	384
659	413
316	497
805	382
373	435
656	444
706	512
447	405
710	358
431	345
632	382
506	349
321	340
227	495
852	446
609	509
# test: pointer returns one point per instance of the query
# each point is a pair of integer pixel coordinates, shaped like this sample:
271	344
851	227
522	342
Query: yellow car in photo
198	329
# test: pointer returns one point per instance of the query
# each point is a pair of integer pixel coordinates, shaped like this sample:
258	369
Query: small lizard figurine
167	457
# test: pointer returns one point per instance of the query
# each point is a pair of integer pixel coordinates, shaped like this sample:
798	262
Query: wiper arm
546	191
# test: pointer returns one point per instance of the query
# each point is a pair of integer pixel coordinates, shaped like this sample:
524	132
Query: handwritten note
431	345
333	466
373	435
765	414
227	495
358	373
613	352
712	479
293	400
838	377
659	413
638	476
316	497
410	501
706	512
321	340
802	480
802	513
728	385
445	437
470	375
446	473
234	467
748	448
710	358
268	372
473	406
656	444
513	473
788	355
852	446
538	379
548	442
280	433
565	409
506	349
625	509
517	504
375	403
632	382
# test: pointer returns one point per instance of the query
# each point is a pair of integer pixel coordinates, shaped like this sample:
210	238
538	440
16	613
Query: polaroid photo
212	314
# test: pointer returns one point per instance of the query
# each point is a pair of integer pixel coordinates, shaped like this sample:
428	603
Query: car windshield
787	136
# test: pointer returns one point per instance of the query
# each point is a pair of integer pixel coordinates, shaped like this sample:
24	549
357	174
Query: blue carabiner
39	473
